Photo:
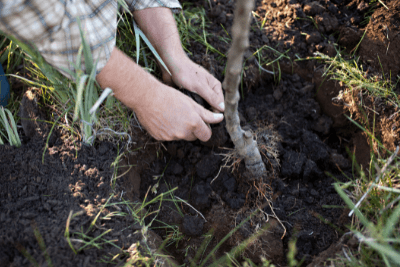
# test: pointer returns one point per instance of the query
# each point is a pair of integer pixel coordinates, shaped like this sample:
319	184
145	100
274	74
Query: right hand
168	114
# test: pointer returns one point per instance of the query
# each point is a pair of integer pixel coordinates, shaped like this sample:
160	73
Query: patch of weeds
42	247
268	62
350	74
375	212
192	25
373	5
173	234
263	21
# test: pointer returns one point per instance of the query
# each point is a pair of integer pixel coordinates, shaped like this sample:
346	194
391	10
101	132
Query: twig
380	1
376	180
103	96
192	208
345	254
217	175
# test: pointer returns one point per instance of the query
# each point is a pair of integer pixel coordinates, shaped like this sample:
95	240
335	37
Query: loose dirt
303	137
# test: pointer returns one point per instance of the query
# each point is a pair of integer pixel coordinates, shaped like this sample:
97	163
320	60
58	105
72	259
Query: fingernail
222	105
218	116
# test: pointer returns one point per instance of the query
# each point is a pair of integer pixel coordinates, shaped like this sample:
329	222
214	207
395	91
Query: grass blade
391	223
153	50
11	129
87	53
79	92
137	36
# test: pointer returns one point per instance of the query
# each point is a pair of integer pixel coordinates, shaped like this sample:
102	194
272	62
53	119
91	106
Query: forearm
159	26
127	80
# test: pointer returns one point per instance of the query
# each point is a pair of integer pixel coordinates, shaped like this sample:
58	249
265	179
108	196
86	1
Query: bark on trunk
244	143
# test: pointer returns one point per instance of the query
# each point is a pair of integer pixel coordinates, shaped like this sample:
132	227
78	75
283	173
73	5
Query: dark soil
302	134
38	196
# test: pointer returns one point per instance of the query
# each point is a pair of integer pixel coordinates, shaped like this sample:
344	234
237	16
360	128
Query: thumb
208	116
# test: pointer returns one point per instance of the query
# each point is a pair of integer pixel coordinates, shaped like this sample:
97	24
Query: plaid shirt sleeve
52	26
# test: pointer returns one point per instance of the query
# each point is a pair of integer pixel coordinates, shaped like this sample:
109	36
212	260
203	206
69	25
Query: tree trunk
244	143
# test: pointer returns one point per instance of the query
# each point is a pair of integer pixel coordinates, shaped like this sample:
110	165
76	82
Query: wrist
176	61
129	82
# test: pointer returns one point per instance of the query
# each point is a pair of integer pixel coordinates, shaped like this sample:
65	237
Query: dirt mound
298	190
380	46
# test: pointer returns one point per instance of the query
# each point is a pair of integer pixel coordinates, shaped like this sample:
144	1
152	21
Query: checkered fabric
51	25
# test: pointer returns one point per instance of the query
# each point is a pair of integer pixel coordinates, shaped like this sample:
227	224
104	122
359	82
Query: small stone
295	192
307	89
323	124
295	78
314	37
278	94
326	22
171	148
28	215
178	169
265	39
314	193
292	164
339	160
313	8
362	6
102	149
208	166
230	183
200	196
251	113
218	138
234	200
310	200
311	171
192	225
329	50
180	153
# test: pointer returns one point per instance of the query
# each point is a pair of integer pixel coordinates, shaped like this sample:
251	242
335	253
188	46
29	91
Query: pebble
192	225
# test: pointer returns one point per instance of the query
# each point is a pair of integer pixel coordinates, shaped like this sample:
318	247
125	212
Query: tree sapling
243	140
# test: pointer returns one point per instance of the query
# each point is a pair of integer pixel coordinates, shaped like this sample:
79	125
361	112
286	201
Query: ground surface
302	135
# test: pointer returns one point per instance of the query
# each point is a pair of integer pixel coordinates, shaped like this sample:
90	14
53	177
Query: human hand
168	115
187	74
160	28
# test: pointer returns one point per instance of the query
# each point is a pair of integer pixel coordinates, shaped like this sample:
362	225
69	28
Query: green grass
10	128
373	194
350	74
192	26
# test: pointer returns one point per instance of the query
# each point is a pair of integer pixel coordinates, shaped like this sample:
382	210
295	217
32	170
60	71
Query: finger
190	137
208	116
208	93
217	88
202	131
